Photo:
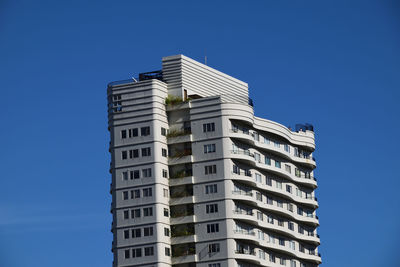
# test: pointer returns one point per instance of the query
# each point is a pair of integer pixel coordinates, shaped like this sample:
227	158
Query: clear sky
334	64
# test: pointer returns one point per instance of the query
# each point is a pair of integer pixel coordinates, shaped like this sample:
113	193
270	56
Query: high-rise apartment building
198	180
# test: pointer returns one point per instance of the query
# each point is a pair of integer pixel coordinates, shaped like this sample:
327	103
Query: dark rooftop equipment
151	75
304	127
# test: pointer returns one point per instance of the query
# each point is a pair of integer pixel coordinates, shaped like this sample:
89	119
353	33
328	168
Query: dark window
148	212
165	173
125	195
212	208
148	231
144	131
164	152
126	234
136	252
167	252
127	254
136	233
166	231
211	169
146	152
163	131
281	241
147	192
124	154
166	212
149	251
133	132
212	248
146	172
209	127
213	228
126	214
123	134
135	174
209	148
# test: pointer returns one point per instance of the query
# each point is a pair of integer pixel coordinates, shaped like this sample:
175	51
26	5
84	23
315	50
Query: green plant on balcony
176	133
181	153
172	100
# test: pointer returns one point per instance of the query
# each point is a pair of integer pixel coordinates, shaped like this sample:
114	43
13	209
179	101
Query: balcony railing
244	232
246	252
243	212
242	152
181	174
243	193
182	132
181	153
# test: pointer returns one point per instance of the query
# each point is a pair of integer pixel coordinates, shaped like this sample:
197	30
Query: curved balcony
248	138
244	196
247	255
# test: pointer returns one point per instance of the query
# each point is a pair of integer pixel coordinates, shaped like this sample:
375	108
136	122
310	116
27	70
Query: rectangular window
209	148
146	152
280	222
167	252
136	253
247	173
270	220
166	212
135	213
124	154
277	164
258	178
268	181
147	212
211	189
279	203
271	258
123	134
288	188
292	263
283	261
133	132
147	192
135	193
146	172
286	147
213	228
163	131
144	131
164	173
126	214
260	235
133	153
297	172
292	245
163	152
149	251
215	265
166	231
165	192
208	127
278	185
148	231
236	169
256	136
257	157
125	195
269	200
288	168
210	169
290	207
277	144
212	208
299	211
290	226
259	216
266	140
126	234
267	160
127	254
213	248
125	176
136	233
258	196
281	241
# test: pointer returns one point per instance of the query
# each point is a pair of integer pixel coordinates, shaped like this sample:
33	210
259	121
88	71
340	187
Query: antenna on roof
205	57
133	78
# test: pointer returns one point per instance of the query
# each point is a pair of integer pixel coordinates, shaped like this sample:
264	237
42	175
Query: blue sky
334	64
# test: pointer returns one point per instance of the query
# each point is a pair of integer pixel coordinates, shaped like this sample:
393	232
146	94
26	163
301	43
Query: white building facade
198	180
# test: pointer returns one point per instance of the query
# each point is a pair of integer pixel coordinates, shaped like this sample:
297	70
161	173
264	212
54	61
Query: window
269	200
279	203
270	219
268	181
214	265
163	152
148	231
259	216
290	226
213	248
292	263
271	239
286	147
117	103
124	154
257	157
236	169
288	188
165	192
280	222
277	144
209	127
167	252
292	245
164	173
126	234
144	131
163	131
127	254
258	178
283	261
135	174
135	193
290	207
135	213
210	169
297	172
136	233
300	229
146	172
209	148
258	196
212	208
166	231
281	241
266	140
267	160
211	189
148	212
247	173
278	185
126	214
256	136
136	252
147	192
125	195
299	211
271	258
146	152
123	134
149	251
133	132
288	168
166	212
133	153
213	228
277	164
260	235
125	176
